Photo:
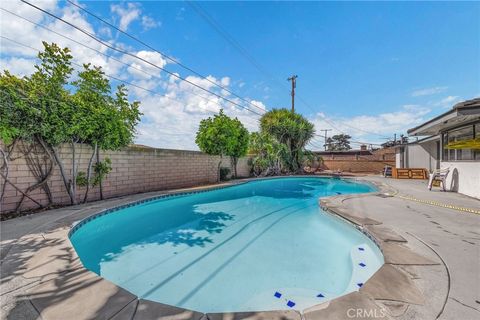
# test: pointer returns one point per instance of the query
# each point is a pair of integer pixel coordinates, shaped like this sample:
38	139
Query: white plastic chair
441	175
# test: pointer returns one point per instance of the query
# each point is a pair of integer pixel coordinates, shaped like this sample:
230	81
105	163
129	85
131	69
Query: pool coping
331	205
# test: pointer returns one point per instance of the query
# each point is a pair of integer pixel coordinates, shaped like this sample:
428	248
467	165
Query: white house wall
464	177
421	155
398	156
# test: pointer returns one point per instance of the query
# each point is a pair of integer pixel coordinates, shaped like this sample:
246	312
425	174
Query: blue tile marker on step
320	295
290	303
361	264
361	249
277	294
360	284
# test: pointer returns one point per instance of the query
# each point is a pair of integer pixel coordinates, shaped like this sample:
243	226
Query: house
450	140
423	153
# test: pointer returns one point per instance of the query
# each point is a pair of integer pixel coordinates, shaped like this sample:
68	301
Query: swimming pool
257	246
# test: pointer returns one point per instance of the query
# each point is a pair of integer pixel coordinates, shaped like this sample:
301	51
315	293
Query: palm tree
290	129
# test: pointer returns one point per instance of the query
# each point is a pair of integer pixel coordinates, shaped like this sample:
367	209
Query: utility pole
293	79
325	135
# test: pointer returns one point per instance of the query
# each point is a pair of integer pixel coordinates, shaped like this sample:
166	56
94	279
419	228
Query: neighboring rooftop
345	152
417	141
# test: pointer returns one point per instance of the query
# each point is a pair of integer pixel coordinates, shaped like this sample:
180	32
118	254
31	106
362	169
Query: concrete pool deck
432	255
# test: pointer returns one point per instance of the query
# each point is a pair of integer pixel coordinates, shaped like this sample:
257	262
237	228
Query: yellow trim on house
464	144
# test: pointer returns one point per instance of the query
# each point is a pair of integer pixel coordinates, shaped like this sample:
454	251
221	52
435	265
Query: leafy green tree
57	114
106	123
339	142
17	117
223	136
291	129
41	108
37	110
18	126
92	100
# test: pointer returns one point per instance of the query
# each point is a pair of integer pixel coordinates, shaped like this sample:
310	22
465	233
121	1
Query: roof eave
423	129
433	126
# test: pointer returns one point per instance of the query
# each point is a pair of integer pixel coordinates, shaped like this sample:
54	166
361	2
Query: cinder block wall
359	166
134	170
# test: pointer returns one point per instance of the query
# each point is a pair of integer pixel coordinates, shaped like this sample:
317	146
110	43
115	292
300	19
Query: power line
106	75
161	53
315	145
311	142
333	125
218	28
139	58
135	56
132	84
107	56
229	38
341	131
325	136
352	141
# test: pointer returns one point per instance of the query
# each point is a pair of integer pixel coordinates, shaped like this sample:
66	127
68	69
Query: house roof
462	112
419	141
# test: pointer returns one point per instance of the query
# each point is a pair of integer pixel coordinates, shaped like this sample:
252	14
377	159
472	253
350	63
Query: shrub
224	173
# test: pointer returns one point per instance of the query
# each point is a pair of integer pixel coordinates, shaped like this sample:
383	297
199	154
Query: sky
368	69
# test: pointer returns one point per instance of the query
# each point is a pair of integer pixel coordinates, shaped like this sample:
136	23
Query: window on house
457	135
477	136
445	154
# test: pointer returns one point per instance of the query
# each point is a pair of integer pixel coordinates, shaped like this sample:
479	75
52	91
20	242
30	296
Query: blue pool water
262	245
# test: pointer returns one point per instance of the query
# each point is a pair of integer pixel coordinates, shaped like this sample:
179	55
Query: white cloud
372	127
149	23
24	32
130	12
172	121
127	13
105	31
447	102
18	66
428	91
143	70
258	104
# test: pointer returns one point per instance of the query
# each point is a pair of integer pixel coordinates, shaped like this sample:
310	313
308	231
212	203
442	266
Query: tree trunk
40	166
31	188
45	187
4	167
63	174
19	190
235	161
101	182
73	185
89	172
218	168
